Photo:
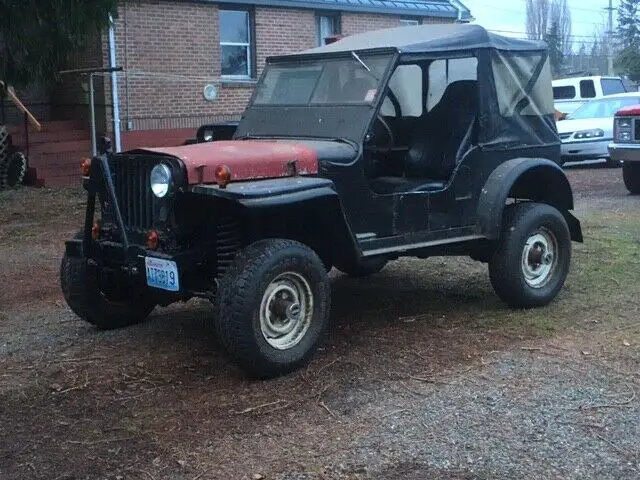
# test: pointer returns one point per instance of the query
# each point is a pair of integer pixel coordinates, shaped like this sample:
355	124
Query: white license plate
162	274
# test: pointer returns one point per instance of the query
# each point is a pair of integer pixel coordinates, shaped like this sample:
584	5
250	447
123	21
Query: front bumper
589	150
624	152
129	263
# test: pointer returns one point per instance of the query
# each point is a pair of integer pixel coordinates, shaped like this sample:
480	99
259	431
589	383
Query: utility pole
610	40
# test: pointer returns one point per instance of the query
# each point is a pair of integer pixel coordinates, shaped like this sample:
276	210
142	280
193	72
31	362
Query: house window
406	22
235	43
328	25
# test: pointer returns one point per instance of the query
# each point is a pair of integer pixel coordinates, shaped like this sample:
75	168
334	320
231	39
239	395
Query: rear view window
587	89
566	92
612	85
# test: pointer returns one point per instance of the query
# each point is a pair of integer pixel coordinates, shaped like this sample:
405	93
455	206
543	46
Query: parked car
413	141
626	145
587	132
572	92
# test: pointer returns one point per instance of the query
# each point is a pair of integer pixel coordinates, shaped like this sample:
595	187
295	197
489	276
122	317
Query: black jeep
413	141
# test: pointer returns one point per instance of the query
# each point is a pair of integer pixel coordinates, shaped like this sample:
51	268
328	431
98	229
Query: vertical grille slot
228	242
135	198
636	129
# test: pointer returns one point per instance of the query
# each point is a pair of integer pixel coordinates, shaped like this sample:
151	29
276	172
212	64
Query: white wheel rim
286	310
539	258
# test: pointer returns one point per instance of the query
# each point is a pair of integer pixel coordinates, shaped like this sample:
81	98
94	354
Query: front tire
631	177
532	257
87	301
274	304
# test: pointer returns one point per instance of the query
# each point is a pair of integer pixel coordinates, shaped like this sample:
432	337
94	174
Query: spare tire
13	170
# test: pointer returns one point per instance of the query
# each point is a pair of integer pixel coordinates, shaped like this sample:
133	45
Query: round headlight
160	180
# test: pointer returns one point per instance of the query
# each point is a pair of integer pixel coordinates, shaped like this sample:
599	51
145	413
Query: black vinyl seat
438	142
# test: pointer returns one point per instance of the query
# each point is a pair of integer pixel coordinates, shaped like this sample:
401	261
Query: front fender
535	179
307	209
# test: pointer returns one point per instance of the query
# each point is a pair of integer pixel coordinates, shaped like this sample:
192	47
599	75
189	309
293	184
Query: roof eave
449	12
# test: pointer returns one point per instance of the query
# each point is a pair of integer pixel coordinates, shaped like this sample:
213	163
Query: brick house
172	49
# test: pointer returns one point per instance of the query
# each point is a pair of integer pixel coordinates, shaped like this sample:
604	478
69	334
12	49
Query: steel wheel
286	310
539	258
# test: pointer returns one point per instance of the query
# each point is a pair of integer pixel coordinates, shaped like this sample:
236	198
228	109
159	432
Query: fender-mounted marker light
95	230
223	175
152	239
85	166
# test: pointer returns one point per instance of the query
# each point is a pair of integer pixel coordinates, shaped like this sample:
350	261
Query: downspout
458	6
114	85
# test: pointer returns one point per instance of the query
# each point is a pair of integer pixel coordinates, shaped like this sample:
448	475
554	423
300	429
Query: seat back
435	146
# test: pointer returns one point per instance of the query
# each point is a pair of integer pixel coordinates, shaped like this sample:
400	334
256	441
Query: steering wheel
389	132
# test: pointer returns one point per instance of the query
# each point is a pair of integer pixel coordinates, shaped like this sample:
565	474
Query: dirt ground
425	374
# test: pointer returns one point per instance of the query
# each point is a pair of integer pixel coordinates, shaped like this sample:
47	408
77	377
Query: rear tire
532	256
274	304
631	177
89	303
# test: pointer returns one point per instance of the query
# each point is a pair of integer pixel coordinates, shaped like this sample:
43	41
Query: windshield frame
308	59
316	121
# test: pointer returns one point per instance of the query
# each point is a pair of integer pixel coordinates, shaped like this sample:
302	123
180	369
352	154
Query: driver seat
438	142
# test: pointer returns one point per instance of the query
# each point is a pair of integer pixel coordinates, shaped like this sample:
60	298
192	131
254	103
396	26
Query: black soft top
430	38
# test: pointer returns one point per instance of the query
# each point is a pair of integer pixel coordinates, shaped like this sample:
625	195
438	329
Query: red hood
247	159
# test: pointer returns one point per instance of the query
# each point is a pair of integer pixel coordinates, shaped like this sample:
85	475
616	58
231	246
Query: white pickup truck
570	93
626	145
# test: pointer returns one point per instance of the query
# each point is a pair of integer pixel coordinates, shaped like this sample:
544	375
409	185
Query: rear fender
535	179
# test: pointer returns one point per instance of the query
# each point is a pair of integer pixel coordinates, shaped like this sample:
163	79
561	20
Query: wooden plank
16	101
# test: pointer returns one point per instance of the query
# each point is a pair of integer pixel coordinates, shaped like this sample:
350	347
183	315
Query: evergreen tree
37	36
628	60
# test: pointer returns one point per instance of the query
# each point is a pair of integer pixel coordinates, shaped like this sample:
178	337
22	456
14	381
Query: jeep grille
136	201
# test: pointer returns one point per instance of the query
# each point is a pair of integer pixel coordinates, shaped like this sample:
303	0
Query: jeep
412	141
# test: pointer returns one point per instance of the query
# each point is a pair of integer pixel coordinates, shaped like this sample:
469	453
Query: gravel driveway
425	374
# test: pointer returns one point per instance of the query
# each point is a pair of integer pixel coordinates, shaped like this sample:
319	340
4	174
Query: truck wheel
532	256
631	177
274	306
365	268
87	301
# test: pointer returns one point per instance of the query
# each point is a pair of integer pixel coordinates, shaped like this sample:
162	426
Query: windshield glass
602	108
322	82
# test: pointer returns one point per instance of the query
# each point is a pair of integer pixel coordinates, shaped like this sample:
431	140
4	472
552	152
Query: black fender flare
307	209
535	179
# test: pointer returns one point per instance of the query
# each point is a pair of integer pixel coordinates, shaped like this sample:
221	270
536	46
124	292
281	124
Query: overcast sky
509	16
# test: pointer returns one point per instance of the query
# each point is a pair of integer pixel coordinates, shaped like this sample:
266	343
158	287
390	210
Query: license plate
162	274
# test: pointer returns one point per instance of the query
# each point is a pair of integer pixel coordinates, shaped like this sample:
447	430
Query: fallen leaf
182	463
257	476
626	343
55	386
584	352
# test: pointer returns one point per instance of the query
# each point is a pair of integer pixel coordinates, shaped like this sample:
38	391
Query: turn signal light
152	239
223	175
85	166
95	230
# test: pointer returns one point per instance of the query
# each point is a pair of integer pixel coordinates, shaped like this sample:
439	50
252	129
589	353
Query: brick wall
172	52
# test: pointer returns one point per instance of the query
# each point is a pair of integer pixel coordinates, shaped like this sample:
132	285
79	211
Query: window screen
406	84
511	75
444	72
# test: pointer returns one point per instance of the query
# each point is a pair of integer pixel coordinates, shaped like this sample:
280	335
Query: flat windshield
602	108
322	82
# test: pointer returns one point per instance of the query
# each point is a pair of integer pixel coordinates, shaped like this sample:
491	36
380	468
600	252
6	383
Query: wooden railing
20	106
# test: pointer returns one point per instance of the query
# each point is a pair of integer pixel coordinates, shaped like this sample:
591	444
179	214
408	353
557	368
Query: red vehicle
626	146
